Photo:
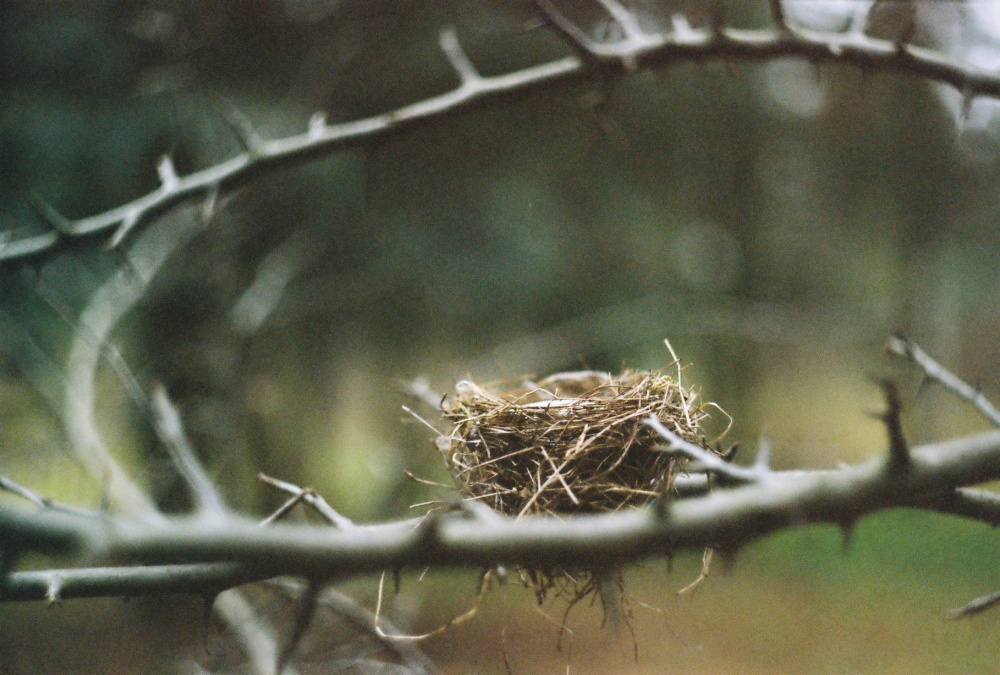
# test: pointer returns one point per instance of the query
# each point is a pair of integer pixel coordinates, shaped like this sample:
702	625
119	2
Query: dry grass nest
571	443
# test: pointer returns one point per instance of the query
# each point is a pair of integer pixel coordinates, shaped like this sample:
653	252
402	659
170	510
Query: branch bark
593	60
727	518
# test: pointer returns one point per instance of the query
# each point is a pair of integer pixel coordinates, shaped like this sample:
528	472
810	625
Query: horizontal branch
93	582
725	518
645	50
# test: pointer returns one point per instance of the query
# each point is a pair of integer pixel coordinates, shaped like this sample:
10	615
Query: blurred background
775	221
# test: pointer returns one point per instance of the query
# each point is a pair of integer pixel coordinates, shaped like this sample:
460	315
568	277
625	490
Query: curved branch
638	50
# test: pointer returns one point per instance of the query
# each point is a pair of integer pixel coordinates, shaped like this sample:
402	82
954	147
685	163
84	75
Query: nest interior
570	443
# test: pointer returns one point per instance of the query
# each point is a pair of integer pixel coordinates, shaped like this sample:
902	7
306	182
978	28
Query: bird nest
571	443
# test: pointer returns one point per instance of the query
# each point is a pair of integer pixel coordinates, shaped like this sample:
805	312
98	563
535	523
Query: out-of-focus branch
976	606
980	505
53	585
593	58
167	421
935	372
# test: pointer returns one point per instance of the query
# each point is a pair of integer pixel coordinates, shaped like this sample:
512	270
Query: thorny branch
638	48
729	517
935	372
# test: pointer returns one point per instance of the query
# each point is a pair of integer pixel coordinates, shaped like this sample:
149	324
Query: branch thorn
899	452
242	127
130	220
168	174
965	111
459	60
778	15
762	461
847	534
51	216
53	590
317	124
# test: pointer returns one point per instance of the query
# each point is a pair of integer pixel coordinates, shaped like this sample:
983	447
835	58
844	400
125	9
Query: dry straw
570	443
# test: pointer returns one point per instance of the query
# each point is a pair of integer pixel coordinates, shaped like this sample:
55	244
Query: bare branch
787	498
459	60
313	499
44	502
976	606
710	461
934	371
345	607
168	426
109	582
107	306
727	518
577	40
638	49
980	505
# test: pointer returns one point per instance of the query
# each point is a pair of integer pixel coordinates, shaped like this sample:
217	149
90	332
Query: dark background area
775	221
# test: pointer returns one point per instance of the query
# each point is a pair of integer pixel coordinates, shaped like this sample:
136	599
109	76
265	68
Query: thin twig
346	607
709	460
639	49
43	502
936	372
976	606
167	422
313	499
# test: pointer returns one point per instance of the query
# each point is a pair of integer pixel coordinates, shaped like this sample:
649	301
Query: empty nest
571	443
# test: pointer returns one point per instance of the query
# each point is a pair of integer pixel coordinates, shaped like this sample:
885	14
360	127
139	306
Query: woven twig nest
570	443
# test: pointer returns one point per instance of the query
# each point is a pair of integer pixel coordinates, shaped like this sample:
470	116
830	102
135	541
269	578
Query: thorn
778	15
964	112
168	174
716	18
459	60
763	458
479	511
211	201
241	126
847	536
53	590
898	344
611	600
681	28
899	452
130	220
317	124
51	216
501	574
578	41
727	556
906	34
975	606
427	530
